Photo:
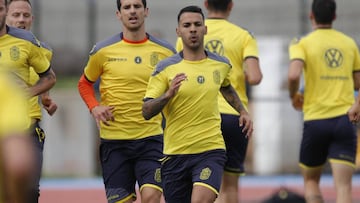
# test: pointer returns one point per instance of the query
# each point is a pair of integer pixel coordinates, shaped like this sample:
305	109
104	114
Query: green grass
67	82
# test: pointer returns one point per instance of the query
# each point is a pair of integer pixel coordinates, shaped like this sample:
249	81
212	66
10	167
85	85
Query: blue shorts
125	162
236	143
333	138
180	172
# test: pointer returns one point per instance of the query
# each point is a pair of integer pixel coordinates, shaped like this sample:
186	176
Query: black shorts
236	144
181	172
333	139
125	162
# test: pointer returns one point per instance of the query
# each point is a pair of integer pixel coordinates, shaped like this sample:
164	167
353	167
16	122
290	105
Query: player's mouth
193	39
133	19
21	26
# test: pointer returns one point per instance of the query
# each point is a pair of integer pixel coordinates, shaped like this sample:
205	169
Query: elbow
146	116
145	113
52	79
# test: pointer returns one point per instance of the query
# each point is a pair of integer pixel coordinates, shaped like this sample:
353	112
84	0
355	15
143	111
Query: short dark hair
190	9
118	3
324	11
218	5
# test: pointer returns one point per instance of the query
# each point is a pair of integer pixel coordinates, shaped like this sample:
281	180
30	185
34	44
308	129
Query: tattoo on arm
152	107
46	82
232	98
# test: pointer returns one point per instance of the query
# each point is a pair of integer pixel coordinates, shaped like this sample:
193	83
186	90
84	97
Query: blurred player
20	16
20	50
240	47
16	149
331	64
131	147
185	87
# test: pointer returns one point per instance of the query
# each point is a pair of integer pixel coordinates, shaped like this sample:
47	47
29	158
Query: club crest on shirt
201	79
14	53
215	46
216	76
137	60
333	58
154	59
205	173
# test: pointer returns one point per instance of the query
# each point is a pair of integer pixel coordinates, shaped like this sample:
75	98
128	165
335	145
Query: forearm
293	87
232	98
152	107
87	92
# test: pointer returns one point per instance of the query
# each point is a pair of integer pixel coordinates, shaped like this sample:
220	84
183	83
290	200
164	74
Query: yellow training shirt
192	115
330	59
125	68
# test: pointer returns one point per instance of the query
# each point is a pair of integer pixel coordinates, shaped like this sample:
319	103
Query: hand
354	113
298	101
245	120
103	114
175	84
48	104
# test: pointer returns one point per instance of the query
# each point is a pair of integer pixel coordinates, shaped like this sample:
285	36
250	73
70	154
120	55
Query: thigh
176	178
344	143
147	164
117	171
315	143
208	171
236	144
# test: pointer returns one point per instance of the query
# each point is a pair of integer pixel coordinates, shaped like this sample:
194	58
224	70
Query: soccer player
20	16
131	146
331	65
185	88
240	47
17	153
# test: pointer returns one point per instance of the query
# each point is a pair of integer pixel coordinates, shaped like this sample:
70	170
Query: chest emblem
154	59
138	60
14	53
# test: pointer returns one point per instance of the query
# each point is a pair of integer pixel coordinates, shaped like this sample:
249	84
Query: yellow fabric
125	69
13	107
192	116
330	59
20	50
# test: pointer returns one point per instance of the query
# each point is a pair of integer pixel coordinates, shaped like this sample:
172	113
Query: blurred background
72	27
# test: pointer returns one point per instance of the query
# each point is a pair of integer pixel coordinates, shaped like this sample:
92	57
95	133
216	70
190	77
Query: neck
134	36
323	26
217	15
194	54
3	31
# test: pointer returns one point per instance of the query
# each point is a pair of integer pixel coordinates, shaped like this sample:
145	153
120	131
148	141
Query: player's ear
118	15
146	12
311	16
206	4
177	32
230	6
